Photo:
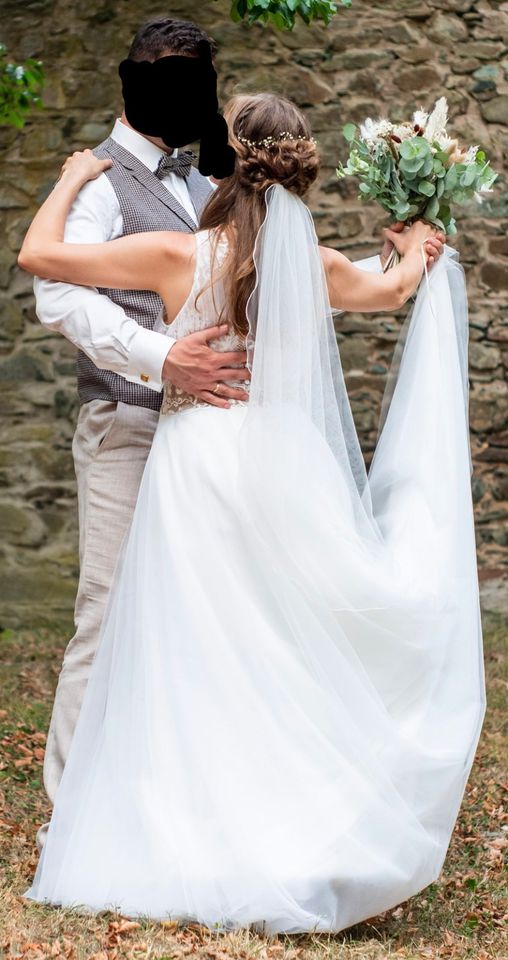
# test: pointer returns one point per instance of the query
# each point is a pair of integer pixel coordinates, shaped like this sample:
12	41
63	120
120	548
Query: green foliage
20	87
283	13
415	180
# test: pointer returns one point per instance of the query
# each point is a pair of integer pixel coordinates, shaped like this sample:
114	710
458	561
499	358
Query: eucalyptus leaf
414	165
413	147
428	166
402	210
469	175
432	209
427	188
451	178
444	213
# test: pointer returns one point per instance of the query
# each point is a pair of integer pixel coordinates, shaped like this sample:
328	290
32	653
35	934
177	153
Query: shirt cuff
147	354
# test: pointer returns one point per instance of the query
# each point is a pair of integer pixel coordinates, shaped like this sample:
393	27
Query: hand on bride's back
83	165
409	238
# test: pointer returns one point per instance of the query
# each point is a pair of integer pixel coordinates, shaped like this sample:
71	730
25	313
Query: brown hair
237	207
156	37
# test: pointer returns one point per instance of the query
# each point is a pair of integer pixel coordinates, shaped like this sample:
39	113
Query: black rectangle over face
175	98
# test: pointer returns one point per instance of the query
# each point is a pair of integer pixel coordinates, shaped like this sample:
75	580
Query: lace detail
197	316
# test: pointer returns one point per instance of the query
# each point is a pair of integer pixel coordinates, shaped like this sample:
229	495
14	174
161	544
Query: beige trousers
110	448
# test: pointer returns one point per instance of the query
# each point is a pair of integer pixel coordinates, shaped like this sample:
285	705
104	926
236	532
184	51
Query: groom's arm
89	319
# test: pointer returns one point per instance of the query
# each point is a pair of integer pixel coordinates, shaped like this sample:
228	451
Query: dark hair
164	34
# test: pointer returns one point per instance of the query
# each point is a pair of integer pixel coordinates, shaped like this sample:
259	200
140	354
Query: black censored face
174	98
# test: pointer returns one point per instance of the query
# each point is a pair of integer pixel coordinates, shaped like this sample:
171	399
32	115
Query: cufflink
144	377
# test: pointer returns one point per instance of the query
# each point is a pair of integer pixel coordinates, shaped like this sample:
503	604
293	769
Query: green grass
461	916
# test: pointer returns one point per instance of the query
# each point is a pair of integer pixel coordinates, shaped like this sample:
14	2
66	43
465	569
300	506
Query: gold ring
216	387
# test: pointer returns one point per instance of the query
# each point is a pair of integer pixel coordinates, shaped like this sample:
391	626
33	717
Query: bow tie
181	165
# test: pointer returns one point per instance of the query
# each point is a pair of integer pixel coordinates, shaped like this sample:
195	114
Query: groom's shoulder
103	149
124	162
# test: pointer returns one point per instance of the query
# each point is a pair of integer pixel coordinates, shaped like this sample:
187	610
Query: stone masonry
385	57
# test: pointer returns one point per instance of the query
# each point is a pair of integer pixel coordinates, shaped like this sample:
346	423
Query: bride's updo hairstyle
273	144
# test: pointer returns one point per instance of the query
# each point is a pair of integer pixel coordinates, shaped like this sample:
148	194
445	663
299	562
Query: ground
461	916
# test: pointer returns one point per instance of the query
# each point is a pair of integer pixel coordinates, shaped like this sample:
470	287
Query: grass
461	916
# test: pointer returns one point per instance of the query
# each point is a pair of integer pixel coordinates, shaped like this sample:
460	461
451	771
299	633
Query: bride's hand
412	238
83	166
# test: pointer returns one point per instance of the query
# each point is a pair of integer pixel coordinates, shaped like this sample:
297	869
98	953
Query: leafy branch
20	87
283	13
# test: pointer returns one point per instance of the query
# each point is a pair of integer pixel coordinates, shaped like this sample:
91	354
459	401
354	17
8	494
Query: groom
122	360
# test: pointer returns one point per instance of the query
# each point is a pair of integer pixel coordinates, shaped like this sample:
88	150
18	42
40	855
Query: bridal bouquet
414	169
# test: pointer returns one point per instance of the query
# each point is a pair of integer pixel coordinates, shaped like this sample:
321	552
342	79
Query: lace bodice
198	315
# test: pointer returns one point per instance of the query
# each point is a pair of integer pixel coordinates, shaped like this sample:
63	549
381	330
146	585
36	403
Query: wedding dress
288	692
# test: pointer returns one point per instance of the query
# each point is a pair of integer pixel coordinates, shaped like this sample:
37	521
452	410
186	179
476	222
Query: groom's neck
155	140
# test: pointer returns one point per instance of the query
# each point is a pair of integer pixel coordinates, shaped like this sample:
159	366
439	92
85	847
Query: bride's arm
137	262
352	289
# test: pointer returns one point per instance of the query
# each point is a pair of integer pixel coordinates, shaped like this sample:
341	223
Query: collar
144	150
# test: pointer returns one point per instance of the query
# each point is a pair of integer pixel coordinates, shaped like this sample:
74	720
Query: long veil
391	556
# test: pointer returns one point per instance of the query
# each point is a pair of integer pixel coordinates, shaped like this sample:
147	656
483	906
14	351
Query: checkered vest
145	205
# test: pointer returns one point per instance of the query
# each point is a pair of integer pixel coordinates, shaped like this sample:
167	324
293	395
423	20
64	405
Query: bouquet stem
392	261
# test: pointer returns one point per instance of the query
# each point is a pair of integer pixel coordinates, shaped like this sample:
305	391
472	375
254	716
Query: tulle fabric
288	691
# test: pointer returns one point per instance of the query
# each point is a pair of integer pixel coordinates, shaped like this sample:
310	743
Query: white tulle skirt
282	713
288	690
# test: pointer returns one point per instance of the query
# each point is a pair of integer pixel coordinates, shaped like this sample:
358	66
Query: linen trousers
110	448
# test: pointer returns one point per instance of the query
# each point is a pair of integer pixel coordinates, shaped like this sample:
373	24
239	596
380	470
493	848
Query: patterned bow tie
181	165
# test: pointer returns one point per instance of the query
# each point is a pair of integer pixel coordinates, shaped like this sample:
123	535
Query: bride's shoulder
179	247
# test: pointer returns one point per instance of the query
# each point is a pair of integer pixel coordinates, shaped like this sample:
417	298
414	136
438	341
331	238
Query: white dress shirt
89	319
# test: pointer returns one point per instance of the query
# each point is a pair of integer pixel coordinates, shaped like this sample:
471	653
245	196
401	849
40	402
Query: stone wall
387	56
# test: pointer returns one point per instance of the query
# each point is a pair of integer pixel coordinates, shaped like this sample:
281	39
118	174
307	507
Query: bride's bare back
200	310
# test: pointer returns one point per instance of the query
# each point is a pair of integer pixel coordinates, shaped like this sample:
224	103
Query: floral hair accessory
272	141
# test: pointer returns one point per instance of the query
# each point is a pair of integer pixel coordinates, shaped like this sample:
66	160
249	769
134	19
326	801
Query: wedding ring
216	388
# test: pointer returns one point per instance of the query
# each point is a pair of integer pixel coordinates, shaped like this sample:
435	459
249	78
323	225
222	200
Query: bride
288	692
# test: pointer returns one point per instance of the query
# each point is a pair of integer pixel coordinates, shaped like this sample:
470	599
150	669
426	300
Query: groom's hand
191	365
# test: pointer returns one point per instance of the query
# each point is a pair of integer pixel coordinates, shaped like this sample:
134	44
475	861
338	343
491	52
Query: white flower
403	131
470	156
444	141
374	130
420	118
436	124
